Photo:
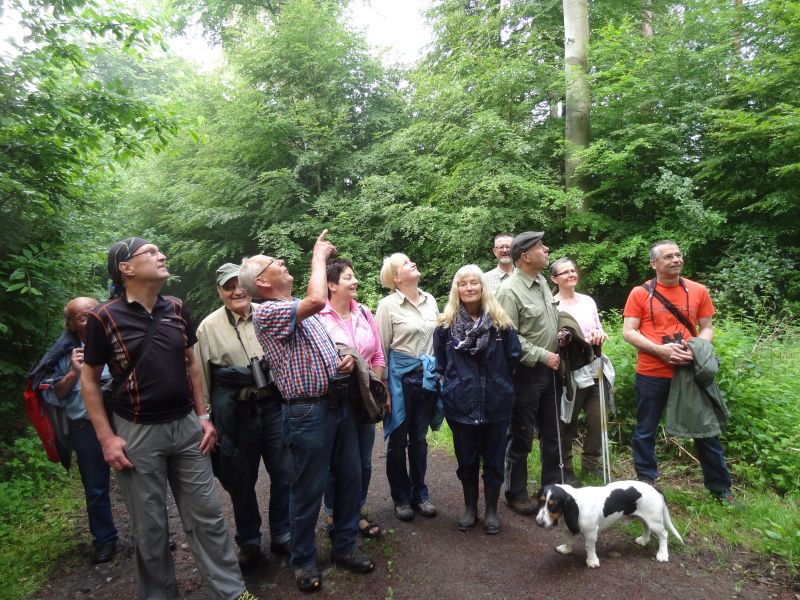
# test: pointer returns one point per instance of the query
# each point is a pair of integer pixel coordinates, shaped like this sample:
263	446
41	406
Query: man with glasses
661	318
320	429
159	428
526	298
246	412
505	266
61	386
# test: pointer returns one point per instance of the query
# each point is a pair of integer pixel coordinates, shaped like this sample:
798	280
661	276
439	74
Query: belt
306	400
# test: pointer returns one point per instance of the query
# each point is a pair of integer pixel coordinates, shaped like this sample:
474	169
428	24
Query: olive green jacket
696	407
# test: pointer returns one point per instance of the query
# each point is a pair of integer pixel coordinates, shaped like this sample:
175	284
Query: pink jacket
367	340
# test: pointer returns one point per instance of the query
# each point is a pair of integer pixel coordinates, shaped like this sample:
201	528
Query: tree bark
647	18
576	47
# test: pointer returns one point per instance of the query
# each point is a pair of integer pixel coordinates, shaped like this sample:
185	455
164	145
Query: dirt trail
431	558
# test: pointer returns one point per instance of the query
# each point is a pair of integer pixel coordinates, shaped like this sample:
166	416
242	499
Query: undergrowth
42	506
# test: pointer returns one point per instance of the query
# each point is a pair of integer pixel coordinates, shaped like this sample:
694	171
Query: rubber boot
491	521
470	517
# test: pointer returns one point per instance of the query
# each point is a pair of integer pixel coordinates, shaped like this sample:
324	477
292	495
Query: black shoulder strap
119	381
654	293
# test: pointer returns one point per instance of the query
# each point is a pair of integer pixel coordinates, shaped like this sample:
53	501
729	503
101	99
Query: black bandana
121	252
472	336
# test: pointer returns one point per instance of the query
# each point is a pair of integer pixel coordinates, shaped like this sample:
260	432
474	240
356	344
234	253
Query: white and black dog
590	510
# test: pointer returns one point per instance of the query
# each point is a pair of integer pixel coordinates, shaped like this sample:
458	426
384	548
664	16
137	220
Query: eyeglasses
154	251
269	264
567	272
231	285
506	247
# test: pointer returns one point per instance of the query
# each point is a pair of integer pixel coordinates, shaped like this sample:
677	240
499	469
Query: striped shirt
301	355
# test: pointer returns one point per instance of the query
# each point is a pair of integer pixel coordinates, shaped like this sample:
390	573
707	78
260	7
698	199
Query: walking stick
606	458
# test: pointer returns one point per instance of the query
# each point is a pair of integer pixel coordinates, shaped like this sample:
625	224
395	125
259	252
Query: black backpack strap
654	293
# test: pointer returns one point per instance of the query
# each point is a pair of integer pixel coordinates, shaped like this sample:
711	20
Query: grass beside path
42	518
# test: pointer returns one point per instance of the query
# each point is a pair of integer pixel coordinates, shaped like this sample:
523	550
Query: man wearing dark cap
527	299
246	412
159	429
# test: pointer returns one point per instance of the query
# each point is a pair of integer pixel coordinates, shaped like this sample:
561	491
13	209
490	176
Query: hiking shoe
649	481
355	561
281	548
307	579
571	479
426	509
522	506
249	556
725	497
103	553
404	512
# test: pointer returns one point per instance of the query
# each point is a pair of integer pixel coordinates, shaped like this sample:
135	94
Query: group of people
299	384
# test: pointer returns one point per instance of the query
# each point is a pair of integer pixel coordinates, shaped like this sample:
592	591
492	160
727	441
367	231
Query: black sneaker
355	561
725	497
249	556
103	553
649	481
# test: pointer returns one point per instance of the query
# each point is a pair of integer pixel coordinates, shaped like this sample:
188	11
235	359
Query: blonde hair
391	267
489	304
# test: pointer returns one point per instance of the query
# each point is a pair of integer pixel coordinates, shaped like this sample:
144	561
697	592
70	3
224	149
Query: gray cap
523	241
226	272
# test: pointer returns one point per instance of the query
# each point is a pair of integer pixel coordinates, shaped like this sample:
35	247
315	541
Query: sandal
369	530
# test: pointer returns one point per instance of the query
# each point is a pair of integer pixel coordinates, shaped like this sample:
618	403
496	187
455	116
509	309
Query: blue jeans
259	427
322	439
366	440
95	476
473	443
407	484
651	399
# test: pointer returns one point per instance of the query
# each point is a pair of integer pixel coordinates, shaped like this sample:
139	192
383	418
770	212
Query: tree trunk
647	18
576	46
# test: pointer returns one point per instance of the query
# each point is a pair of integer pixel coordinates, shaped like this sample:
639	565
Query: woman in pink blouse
564	274
351	324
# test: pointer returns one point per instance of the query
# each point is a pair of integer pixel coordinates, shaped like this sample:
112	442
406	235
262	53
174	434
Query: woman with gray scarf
477	349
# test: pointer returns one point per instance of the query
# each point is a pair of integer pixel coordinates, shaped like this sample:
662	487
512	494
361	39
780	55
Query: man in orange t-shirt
660	337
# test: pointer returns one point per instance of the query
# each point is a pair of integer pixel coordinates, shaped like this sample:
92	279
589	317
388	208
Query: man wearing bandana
158	429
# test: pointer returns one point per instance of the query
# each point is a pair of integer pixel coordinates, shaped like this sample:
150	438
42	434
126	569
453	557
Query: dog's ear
571	514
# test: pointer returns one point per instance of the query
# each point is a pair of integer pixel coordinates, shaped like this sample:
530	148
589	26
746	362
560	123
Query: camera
339	389
676	338
261	373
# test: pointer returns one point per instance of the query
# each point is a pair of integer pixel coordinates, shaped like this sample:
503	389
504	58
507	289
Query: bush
760	377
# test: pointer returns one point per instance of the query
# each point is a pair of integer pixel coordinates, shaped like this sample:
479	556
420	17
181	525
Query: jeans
651	399
407	484
95	476
259	425
322	439
366	441
536	408
473	443
588	400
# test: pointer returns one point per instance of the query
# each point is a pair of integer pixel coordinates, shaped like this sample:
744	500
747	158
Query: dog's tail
669	524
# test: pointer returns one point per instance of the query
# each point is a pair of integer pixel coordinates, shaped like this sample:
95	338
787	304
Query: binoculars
676	338
262	376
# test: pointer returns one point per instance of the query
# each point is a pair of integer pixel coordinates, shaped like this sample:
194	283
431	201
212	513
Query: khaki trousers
169	452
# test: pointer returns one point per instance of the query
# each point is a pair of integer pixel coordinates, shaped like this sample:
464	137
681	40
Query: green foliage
40	506
63	128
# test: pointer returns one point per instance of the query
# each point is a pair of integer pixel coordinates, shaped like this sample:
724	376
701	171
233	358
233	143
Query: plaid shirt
301	355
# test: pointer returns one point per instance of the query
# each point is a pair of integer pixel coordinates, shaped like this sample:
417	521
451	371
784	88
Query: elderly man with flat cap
246	412
527	299
159	429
